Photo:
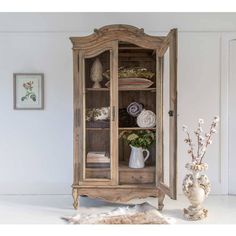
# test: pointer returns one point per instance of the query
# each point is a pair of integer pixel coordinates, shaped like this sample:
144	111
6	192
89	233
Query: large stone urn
196	187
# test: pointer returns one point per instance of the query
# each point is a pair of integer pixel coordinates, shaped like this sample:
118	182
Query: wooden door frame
171	43
79	106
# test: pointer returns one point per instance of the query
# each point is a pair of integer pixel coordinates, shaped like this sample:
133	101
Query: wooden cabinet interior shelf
122	89
123	128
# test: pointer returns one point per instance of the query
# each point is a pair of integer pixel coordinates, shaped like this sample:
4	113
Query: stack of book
98	160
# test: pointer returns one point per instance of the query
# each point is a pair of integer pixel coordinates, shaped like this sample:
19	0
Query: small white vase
196	188
137	159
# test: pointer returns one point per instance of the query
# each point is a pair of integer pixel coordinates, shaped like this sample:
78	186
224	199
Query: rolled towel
146	119
134	109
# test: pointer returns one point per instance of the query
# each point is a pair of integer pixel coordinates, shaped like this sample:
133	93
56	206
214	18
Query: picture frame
28	91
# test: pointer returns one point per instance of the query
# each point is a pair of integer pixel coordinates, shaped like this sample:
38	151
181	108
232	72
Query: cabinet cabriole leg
75	194
160	201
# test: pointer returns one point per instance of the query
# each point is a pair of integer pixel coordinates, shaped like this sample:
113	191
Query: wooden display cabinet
116	46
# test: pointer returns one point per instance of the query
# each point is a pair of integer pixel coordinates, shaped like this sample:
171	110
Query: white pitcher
136	159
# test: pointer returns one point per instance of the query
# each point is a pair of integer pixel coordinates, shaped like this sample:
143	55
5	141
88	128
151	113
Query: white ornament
146	119
96	73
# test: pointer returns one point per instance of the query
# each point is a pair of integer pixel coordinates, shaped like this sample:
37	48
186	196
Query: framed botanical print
28	91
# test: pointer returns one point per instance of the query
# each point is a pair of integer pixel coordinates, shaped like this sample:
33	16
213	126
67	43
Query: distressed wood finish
159	108
124	33
173	107
127	46
171	190
120	194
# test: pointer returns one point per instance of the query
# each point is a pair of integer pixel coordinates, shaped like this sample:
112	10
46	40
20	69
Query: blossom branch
201	147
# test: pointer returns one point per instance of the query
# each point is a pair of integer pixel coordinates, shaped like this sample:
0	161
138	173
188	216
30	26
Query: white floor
48	209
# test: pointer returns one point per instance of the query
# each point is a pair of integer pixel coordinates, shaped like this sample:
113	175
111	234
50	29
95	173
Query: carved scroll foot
75	194
160	201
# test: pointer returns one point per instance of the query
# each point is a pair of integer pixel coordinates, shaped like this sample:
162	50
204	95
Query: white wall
36	146
232	115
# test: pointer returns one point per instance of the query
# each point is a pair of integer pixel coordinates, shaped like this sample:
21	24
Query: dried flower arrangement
139	138
131	72
203	140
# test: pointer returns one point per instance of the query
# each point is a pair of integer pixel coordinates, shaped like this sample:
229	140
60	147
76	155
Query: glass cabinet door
98	157
167	64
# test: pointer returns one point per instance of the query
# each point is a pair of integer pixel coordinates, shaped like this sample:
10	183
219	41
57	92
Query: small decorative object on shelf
98	157
139	141
131	72
98	117
132	77
96	73
98	160
146	119
134	109
101	113
132	83
195	186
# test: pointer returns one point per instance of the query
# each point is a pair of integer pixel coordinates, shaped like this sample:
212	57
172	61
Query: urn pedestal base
193	213
196	188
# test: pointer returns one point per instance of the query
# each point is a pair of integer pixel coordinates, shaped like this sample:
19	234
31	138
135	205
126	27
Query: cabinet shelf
121	89
136	128
98	89
123	167
94	129
138	89
122	128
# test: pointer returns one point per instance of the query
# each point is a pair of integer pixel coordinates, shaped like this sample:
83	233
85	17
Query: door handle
171	113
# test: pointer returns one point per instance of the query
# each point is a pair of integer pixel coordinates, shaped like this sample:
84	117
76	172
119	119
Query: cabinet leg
75	194
160	201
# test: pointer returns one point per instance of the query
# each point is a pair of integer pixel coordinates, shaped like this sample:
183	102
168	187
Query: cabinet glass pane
137	92
97	159
166	108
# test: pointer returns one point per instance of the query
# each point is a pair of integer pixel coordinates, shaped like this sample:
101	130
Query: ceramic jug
137	159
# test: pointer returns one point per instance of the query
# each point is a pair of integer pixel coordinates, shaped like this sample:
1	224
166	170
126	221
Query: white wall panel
232	116
199	97
36	145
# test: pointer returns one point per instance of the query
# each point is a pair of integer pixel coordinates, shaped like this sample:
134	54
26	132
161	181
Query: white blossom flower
213	131
197	132
216	118
187	140
185	128
207	135
199	129
200	121
209	142
201	138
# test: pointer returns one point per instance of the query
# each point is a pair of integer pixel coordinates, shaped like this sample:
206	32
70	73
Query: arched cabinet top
126	33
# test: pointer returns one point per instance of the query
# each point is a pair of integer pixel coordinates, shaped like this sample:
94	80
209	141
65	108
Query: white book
97	154
98	157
